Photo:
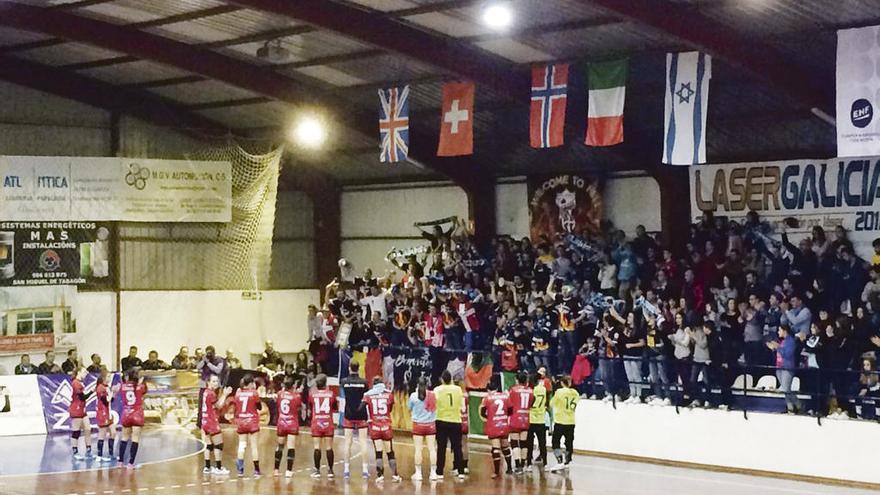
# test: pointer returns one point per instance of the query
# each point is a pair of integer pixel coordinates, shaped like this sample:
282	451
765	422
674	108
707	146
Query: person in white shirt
377	301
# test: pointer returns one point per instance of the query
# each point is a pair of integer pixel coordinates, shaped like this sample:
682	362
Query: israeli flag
687	99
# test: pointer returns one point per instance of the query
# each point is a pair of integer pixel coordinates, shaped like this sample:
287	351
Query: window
36	322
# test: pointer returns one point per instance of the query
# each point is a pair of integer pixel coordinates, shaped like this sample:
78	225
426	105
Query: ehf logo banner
563	204
56	392
858	91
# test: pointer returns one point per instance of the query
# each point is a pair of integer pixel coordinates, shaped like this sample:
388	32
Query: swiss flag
456	120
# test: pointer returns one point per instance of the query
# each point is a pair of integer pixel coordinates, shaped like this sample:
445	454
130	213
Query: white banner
824	192
21	410
124	189
858	129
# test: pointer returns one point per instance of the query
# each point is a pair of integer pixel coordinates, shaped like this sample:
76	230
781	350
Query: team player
289	401
132	392
520	403
563	405
79	420
104	416
212	401
379	402
537	420
495	411
423	406
323	404
247	421
354	417
465	427
449	398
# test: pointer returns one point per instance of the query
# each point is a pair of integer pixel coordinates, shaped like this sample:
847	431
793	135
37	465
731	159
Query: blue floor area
33	454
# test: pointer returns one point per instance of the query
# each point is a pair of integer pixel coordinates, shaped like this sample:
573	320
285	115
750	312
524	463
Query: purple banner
56	392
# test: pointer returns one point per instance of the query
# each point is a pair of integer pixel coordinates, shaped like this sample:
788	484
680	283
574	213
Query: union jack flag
549	97
394	124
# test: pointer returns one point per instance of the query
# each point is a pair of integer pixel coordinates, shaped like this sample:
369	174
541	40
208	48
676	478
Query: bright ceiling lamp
309	132
498	16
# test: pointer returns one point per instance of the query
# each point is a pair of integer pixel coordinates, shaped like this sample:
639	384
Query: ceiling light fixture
498	16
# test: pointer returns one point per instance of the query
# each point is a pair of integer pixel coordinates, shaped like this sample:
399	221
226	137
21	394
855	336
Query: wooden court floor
588	475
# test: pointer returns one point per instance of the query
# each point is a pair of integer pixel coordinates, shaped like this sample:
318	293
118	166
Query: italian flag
607	82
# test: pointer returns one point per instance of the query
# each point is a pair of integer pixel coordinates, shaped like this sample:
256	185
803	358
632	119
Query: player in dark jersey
132	392
212	401
104	415
520	403
322	403
379	402
79	420
247	422
495	410
289	403
354	416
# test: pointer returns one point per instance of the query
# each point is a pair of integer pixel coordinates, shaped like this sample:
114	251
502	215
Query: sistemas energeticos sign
56	253
824	192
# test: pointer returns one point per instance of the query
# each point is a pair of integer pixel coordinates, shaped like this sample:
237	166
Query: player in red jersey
521	399
212	401
495	410
465	426
289	403
247	421
79	420
104	416
132	392
379	403
322	403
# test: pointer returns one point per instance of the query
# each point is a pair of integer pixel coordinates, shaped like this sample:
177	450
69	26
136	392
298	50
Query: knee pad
379	455
390	455
219	446
75	434
210	447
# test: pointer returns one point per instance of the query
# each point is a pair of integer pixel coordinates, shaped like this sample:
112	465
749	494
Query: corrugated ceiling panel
133	72
203	91
14	36
223	27
304	46
260	115
68	53
129	11
601	41
515	51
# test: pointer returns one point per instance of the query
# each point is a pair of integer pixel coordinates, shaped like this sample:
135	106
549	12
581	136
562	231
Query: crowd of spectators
626	316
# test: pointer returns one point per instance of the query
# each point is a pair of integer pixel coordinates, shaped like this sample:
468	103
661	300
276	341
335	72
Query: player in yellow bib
563	405
537	427
449	399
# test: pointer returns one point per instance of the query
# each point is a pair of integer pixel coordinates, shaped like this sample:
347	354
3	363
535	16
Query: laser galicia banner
824	192
21	412
56	392
126	189
56	253
563	204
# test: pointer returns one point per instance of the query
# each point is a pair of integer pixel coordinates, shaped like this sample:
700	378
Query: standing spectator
96	365
71	363
314	322
681	340
131	361
49	367
182	360
786	364
270	358
25	367
235	363
657	351
210	364
797	316
153	363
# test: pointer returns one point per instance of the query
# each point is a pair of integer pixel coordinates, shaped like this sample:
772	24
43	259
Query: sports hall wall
375	218
162	265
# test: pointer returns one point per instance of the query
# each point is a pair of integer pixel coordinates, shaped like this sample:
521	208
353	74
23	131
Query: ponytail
423	388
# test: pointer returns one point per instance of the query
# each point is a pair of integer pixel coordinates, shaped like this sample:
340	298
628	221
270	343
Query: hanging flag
607	82
456	120
687	99
549	96
858	132
394	124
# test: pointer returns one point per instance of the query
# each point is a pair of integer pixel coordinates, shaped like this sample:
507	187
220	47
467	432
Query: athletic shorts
322	429
284	429
247	426
354	424
424	429
130	420
211	428
381	434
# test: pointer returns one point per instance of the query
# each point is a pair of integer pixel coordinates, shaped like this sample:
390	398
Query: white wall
631	201
166	320
839	449
374	220
512	209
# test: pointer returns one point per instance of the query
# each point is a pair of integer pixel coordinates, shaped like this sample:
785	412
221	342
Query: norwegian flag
394	124
549	97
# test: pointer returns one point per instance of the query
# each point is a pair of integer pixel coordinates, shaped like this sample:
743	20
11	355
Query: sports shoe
221	471
548	468
241	472
417	476
380	479
276	473
130	466
365	475
435	477
666	402
315	473
206	470
257	473
346	474
330	475
460	477
107	459
78	457
607	398
558	467
723	407
288	474
396	479
467	470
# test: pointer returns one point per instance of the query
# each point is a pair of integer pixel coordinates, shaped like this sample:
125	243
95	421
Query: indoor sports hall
439	246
